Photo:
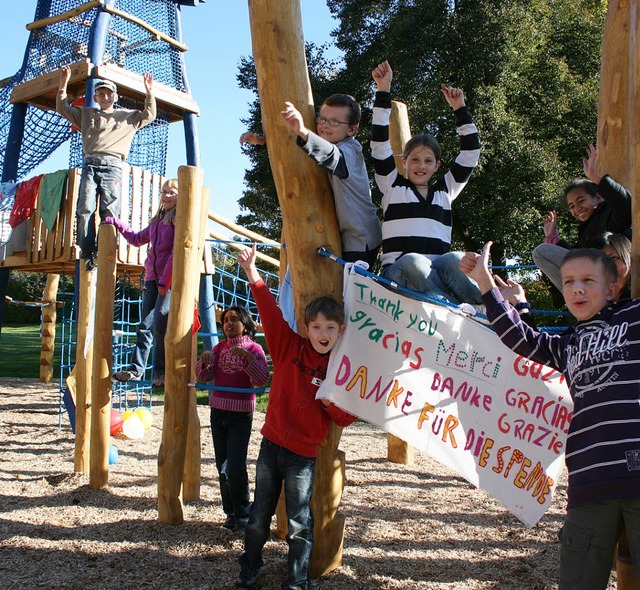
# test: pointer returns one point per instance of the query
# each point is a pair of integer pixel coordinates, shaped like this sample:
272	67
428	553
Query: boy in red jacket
296	422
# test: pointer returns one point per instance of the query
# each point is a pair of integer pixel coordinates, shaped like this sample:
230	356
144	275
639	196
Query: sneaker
125	376
230	523
247	578
158	381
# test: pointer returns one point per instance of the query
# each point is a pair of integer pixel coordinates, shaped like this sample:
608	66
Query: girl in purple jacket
156	297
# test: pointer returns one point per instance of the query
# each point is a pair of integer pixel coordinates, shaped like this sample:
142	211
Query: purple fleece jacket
159	262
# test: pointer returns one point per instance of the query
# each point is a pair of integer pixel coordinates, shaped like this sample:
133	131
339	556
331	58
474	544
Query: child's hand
148	82
326	402
293	118
454	96
550	224
247	260
589	165
382	75
513	292
239	351
109	220
252	138
206	357
65	76
476	267
162	290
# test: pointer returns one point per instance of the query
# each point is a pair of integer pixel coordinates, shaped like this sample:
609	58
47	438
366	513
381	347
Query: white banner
446	384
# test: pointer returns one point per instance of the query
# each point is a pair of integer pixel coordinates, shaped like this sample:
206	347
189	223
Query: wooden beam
147	27
308	213
178	342
247	233
41	91
102	358
50	20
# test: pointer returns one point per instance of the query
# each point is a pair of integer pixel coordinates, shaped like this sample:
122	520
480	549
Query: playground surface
409	527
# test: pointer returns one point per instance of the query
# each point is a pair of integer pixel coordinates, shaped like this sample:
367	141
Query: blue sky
218	35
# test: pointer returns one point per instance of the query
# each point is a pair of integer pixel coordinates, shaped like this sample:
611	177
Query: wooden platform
41	91
55	251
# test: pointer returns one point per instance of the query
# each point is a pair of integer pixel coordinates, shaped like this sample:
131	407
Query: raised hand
454	96
550	224
382	75
589	164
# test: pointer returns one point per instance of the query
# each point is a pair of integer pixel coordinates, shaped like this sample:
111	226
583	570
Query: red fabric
25	203
196	320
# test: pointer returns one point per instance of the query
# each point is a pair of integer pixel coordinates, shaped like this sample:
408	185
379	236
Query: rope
200	385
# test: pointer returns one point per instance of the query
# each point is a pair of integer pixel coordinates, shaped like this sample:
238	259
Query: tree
530	72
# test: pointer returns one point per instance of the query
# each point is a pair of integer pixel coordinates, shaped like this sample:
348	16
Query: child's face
623	269
420	165
169	198
585	287
323	333
581	204
105	98
342	130
232	326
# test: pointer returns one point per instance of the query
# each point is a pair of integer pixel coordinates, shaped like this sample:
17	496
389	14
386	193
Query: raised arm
247	260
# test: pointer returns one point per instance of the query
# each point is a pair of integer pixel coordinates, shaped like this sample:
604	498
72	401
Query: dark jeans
231	432
101	177
276	464
152	329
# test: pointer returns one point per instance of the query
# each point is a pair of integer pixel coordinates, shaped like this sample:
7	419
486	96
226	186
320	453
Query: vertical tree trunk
619	153
48	327
308	214
102	359
186	276
82	373
399	451
193	460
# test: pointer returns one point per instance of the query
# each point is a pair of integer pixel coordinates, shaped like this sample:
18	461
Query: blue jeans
231	432
152	329
588	538
276	464
101	176
440	278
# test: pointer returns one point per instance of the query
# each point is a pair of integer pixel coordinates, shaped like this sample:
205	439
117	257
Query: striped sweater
600	360
229	370
413	223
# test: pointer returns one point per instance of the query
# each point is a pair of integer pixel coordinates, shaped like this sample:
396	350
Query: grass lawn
20	351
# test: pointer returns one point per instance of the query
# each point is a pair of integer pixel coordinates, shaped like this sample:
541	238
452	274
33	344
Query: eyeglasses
330	122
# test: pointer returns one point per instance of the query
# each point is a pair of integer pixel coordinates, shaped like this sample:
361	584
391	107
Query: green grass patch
20	351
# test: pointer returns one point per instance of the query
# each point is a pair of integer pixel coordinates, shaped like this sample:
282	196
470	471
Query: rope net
128	45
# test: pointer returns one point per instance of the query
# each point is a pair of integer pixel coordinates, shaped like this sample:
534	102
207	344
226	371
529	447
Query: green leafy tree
530	73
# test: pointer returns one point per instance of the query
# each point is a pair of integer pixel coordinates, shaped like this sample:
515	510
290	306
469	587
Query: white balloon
133	427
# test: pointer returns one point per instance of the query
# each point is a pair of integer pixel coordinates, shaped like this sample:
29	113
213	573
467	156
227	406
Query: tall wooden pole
102	358
83	371
399	451
193	459
48	327
619	153
308	214
186	276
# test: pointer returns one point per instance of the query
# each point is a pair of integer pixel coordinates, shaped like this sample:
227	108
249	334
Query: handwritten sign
447	385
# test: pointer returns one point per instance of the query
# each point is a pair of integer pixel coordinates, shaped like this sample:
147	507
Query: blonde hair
169	216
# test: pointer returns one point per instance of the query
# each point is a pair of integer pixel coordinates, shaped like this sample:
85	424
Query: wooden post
398	451
619	153
186	266
83	371
102	358
48	327
308	214
193	459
